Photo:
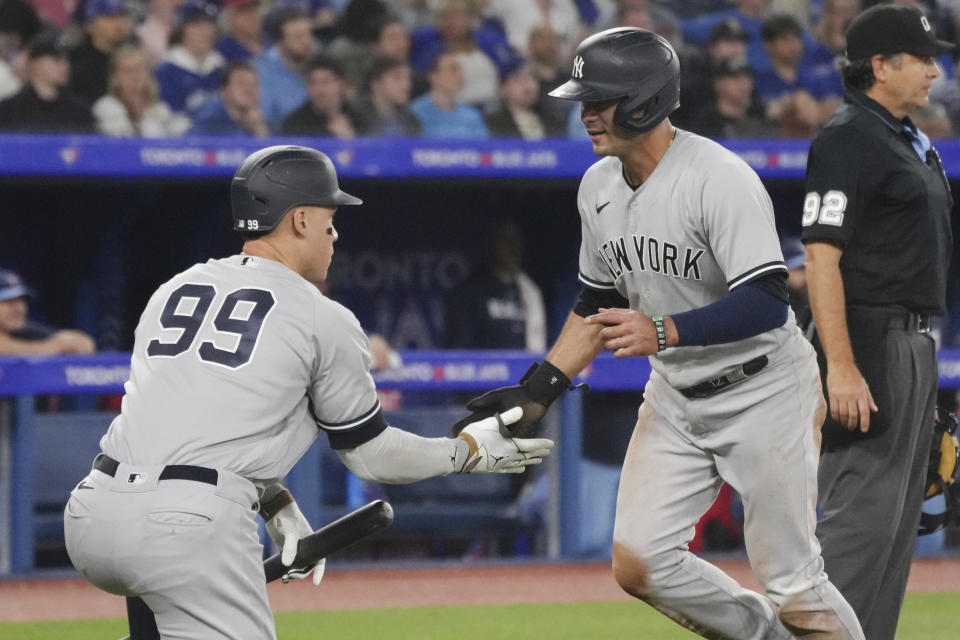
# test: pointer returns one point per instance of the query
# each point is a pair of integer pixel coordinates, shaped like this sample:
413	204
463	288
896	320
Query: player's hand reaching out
630	333
488	451
850	399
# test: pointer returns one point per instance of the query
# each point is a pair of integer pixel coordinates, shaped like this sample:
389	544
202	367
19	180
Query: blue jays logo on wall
398	293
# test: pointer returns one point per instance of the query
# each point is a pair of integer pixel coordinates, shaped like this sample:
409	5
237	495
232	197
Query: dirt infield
67	598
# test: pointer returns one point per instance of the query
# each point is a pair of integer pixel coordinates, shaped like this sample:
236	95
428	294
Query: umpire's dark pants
871	485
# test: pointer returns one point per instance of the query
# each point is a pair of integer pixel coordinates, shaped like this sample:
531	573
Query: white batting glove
490	452
286	529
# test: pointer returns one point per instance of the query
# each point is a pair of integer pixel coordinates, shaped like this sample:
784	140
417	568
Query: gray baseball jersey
236	363
699	227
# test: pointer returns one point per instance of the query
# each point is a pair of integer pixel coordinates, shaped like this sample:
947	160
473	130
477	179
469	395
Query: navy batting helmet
636	66
273	180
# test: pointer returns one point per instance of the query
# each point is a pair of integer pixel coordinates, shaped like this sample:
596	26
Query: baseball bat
338	535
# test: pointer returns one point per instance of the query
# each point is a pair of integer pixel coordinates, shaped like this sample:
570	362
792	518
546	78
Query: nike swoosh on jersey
83	485
600	207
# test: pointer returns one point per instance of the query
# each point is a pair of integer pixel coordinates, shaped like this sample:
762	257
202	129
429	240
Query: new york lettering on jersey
650	254
630	241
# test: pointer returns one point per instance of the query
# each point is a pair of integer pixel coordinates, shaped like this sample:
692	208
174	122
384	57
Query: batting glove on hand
539	387
491	452
286	529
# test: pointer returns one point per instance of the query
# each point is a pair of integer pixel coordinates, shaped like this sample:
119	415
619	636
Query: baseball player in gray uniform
237	365
680	261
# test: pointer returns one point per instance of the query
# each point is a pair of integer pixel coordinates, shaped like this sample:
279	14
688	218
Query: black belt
882	318
109	466
710	387
910	322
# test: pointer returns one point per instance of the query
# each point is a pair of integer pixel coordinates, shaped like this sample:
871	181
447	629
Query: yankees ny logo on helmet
577	67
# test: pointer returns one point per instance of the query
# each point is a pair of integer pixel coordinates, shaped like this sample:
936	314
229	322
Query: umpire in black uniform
876	223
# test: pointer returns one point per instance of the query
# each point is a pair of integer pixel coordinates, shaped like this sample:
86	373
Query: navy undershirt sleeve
590	300
747	311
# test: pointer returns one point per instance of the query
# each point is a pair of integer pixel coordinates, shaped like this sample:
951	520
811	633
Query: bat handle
336	536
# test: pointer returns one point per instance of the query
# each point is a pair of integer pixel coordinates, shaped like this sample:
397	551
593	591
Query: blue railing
23	378
214	157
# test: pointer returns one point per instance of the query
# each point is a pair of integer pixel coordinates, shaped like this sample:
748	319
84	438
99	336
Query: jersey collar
864	101
904	128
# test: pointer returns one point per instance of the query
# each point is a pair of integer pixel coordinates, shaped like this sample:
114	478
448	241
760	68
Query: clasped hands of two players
625	332
490	450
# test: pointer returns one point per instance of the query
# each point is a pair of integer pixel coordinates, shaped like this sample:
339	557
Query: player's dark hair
858	74
239	65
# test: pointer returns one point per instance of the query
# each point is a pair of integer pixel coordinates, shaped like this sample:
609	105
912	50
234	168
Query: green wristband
661	332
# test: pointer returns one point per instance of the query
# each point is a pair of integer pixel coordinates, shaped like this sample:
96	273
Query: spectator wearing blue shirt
484	54
243	39
236	112
190	76
21	336
281	67
749	13
438	110
830	27
799	99
829	32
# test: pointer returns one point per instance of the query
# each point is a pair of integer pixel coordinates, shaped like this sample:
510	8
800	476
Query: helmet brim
577	90
342	198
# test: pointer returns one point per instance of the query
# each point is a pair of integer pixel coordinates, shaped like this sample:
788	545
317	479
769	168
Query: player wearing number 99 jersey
193	396
237	365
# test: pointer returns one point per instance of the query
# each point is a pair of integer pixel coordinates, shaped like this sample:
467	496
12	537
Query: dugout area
95	249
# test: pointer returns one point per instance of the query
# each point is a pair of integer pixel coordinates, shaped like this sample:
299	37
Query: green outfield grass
931	616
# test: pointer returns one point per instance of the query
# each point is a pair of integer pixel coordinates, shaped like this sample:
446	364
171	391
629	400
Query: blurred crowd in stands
432	68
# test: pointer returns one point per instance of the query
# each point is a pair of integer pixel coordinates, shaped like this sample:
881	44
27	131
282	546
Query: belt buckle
920	323
707	388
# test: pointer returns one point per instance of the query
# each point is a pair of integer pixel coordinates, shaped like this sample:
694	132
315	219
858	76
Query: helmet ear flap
655	109
624	115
